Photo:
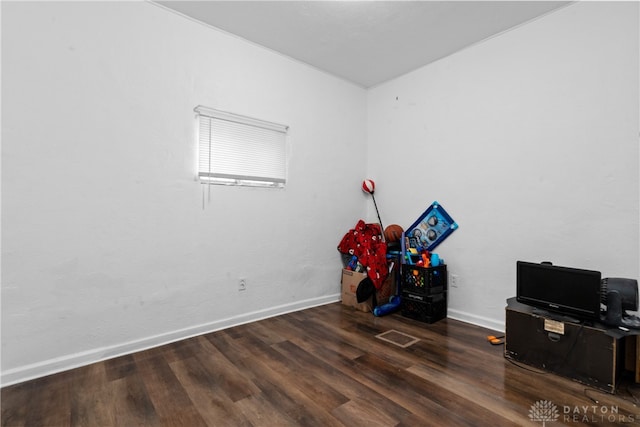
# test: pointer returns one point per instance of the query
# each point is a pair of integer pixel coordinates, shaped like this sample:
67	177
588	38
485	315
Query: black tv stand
591	354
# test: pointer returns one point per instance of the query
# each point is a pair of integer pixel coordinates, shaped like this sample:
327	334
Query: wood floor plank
171	402
348	385
277	378
306	377
221	373
13	400
260	412
92	397
485	405
49	405
417	397
361	412
210	400
134	406
323	366
291	402
120	367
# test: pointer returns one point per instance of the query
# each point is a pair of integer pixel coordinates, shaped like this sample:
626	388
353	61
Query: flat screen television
570	291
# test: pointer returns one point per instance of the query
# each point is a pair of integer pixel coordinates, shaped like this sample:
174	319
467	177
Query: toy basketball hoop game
433	226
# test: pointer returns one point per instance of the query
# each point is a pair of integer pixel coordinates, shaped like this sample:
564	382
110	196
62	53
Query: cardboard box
350	282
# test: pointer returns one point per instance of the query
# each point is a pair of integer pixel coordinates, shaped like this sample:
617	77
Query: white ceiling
365	42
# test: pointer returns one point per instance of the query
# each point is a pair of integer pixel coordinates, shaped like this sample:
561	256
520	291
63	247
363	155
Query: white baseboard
485	322
71	361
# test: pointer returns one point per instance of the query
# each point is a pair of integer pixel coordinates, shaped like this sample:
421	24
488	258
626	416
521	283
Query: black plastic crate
424	281
424	298
430	311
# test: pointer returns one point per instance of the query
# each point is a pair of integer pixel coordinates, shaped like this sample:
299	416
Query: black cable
573	346
376	206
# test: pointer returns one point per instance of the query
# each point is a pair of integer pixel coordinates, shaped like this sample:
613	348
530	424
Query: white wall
530	141
106	246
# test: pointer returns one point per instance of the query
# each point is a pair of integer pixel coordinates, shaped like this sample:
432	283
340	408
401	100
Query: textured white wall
106	246
530	141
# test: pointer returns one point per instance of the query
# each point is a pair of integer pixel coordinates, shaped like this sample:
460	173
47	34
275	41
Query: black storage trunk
425	308
424	280
584	353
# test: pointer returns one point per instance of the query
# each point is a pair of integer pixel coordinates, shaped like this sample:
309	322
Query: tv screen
566	290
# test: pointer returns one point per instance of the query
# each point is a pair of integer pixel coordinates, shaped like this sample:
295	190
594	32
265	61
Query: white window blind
239	150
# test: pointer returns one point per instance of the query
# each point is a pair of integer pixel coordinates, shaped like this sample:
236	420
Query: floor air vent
398	338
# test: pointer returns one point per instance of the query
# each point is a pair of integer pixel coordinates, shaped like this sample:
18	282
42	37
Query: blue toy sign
433	226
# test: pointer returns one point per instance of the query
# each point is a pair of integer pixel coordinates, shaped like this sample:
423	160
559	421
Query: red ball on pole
368	186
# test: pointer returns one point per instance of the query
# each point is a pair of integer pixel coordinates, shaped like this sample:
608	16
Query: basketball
393	233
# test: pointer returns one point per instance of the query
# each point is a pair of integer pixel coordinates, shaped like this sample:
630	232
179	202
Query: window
239	150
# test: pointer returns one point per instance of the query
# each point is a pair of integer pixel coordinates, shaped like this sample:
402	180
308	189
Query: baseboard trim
76	360
485	322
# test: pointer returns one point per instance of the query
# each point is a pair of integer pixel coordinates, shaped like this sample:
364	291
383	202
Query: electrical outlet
454	280
242	284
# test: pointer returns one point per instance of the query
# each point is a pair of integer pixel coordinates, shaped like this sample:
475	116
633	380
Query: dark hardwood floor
318	367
